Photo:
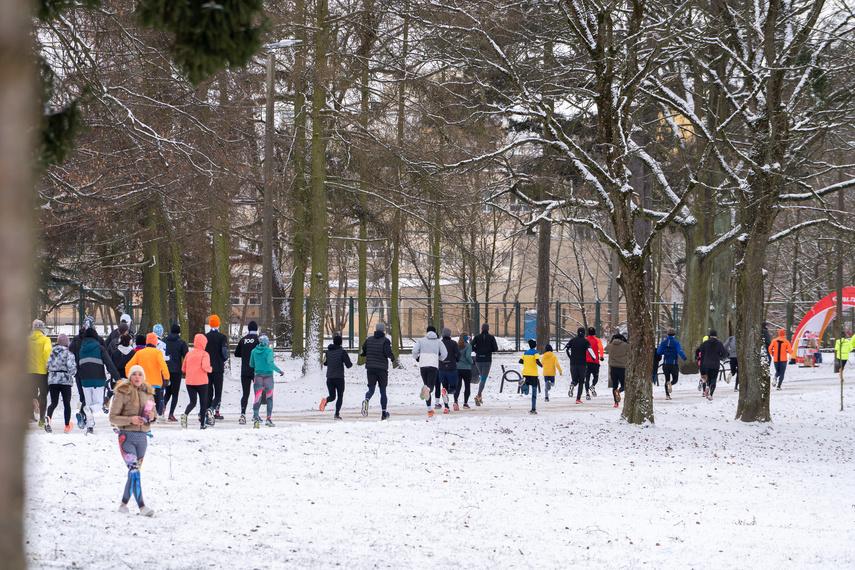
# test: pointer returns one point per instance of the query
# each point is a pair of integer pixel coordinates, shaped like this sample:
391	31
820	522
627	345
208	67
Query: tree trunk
151	305
544	241
638	406
694	320
18	120
177	278
300	198
318	208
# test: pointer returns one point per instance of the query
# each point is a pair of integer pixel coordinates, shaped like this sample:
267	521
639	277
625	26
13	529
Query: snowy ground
483	488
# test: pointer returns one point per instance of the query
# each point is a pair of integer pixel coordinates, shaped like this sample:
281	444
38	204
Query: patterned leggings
263	383
132	444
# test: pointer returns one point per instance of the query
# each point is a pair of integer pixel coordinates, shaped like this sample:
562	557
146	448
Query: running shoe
446	411
546	399
444	396
384	416
184	420
364	408
425	393
466	407
430	413
172	418
67	428
456	407
47	424
437	406
479	400
269	423
588	396
323	404
593	391
533	412
336	417
578	401
242	419
616	404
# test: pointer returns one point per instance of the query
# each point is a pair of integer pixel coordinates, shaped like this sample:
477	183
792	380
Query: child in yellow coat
550	364
531	361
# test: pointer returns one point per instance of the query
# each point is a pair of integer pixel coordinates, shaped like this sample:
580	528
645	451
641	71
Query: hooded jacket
261	360
197	363
466	361
61	366
618	352
780	347
578	350
129	402
712	351
176	350
152	361
243	350
91	361
121	355
39	352
335	360
484	345
530	361
550	363
730	346
428	351
669	349
842	348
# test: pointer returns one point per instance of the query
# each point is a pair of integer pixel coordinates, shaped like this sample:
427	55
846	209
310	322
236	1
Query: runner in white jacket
428	351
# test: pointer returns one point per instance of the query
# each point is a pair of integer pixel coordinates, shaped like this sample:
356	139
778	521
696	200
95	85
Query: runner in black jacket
218	350
711	352
176	350
336	359
577	351
483	347
377	350
243	350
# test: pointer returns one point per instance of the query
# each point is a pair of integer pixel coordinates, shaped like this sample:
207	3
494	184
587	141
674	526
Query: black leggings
593	373
215	386
734	371
618	380
172	391
158	399
335	386
246	387
712	375
429	379
780	370
464	378
672	374
55	391
202	393
579	375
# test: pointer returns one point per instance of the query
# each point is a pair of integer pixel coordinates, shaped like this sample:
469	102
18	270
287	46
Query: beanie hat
380	327
62	340
532	343
158	330
592	331
176	328
125	318
713	332
485	327
252	326
140	339
90	333
548	348
123	327
431	328
214	321
38	325
88	322
580	331
672	331
264	340
151	339
336	340
137	368
446	332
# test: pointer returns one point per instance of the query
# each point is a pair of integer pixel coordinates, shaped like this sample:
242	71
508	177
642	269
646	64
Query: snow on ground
482	488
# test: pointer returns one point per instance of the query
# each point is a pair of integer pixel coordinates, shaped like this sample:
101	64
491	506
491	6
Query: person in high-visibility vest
842	348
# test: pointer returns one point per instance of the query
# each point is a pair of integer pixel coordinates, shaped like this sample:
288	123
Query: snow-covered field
482	488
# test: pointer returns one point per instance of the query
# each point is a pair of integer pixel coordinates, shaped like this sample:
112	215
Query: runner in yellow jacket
842	348
550	364
40	348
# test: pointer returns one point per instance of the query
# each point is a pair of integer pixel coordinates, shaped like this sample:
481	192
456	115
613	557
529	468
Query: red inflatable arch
815	321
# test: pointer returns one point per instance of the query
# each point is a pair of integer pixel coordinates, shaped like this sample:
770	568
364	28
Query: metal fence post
597	317
790	319
477	319
350	325
557	324
518	321
81	303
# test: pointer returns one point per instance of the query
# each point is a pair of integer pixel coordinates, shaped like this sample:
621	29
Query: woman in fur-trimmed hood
132	411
